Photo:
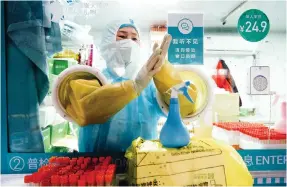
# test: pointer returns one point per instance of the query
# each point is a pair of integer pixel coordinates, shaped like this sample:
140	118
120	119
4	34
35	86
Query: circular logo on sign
185	26
253	25
17	163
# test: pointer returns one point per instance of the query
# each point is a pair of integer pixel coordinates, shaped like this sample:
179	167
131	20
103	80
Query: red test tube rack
81	171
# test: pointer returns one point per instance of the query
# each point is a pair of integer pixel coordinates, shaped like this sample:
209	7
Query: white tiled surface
12	180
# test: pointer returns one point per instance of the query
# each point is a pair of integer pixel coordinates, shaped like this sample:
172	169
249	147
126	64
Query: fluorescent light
165	2
148	2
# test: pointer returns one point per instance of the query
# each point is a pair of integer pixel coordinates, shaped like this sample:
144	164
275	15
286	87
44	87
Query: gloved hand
153	64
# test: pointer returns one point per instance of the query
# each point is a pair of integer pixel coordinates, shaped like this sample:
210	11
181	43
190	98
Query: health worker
113	115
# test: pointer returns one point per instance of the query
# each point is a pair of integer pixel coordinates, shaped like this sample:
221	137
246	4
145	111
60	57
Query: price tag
253	25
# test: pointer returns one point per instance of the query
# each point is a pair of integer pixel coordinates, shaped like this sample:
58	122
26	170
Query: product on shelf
56	66
203	162
86	55
261	138
82	171
67	53
243	135
229	131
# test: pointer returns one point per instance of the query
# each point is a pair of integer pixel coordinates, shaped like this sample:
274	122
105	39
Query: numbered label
253	25
17	163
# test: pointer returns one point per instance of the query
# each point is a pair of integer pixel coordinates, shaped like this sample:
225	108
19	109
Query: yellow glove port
166	78
86	101
201	88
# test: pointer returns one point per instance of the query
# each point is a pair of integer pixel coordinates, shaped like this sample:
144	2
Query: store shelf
257	119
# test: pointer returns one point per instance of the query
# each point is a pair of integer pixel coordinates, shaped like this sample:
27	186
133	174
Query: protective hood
123	58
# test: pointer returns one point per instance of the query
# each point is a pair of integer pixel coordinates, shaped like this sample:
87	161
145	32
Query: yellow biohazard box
204	162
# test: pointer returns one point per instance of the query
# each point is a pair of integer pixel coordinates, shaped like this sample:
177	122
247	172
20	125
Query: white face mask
124	58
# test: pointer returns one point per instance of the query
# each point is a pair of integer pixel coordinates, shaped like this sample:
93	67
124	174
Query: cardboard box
226	104
226	108
196	164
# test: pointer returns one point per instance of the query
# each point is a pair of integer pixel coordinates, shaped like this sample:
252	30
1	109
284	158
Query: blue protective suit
139	118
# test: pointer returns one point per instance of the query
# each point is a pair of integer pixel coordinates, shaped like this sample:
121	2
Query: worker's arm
166	78
89	103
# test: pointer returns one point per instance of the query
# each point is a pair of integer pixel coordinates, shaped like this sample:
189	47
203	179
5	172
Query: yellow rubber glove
166	78
87	102
201	88
90	103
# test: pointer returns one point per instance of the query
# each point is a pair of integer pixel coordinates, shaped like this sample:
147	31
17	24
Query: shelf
257	119
270	94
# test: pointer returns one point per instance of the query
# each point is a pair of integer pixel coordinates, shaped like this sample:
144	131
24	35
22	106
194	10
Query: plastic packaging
77	33
174	134
67	53
57	65
204	162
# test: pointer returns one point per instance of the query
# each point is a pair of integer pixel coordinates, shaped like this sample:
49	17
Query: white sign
187	38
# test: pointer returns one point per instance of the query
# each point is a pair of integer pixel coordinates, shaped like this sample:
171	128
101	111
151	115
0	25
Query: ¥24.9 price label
253	25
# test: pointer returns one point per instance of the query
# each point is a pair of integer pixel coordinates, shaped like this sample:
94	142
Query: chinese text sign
187	38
